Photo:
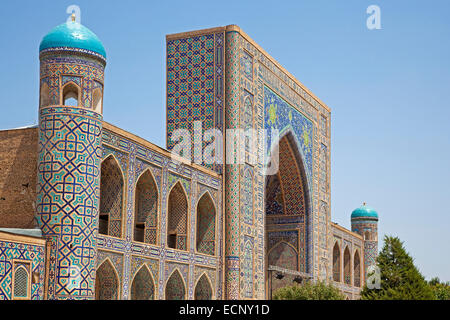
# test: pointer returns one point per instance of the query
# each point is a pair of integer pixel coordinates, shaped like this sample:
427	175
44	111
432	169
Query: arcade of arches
146	208
346	267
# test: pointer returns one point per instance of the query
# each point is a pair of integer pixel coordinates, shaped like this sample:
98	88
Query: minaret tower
72	63
365	222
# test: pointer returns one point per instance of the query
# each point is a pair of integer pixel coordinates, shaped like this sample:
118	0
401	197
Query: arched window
175	289
71	95
97	98
206	222
357	269
45	95
111	198
143	287
146	209
336	263
106	282
203	290
347	267
21	283
367	235
177	218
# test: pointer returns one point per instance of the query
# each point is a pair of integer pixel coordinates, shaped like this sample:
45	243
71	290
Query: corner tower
72	63
365	222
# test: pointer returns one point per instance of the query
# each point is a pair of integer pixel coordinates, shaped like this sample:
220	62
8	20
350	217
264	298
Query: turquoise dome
73	35
364	212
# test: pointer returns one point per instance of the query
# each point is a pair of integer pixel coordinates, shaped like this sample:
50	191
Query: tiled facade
123	219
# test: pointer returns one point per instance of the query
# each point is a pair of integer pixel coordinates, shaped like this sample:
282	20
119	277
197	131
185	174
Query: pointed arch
206	224
146	208
143	285
111	197
203	288
106	281
347	266
287	195
357	269
71	94
97	100
177	226
175	286
21	287
283	255
336	262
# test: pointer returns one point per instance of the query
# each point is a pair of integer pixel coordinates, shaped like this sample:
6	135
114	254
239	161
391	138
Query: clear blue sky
389	90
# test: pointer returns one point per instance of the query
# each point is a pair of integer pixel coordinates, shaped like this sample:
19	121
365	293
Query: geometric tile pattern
143	287
175	288
206	225
69	158
147	206
67	198
34	254
107	282
195	86
203	290
167	174
111	195
232	176
177	216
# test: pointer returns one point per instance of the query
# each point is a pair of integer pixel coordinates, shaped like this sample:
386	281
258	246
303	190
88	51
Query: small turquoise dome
72	35
364	212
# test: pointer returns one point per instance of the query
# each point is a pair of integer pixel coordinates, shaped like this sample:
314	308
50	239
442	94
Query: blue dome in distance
73	35
364	212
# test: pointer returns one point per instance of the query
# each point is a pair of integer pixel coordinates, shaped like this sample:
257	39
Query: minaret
365	222
72	63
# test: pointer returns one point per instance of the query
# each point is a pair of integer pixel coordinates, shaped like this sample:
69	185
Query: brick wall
18	167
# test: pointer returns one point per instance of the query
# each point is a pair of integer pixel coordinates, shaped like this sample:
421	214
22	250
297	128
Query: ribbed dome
72	35
364	212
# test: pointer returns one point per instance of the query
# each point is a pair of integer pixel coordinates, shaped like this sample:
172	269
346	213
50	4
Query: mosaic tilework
69	157
203	290
67	197
111	195
195	85
246	268
345	246
34	254
247	195
232	176
368	229
147	206
177	216
206	225
279	114
106	282
175	288
159	258
59	69
143	287
274	196
268	75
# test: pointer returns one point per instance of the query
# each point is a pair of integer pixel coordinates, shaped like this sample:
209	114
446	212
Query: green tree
400	279
440	289
309	291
